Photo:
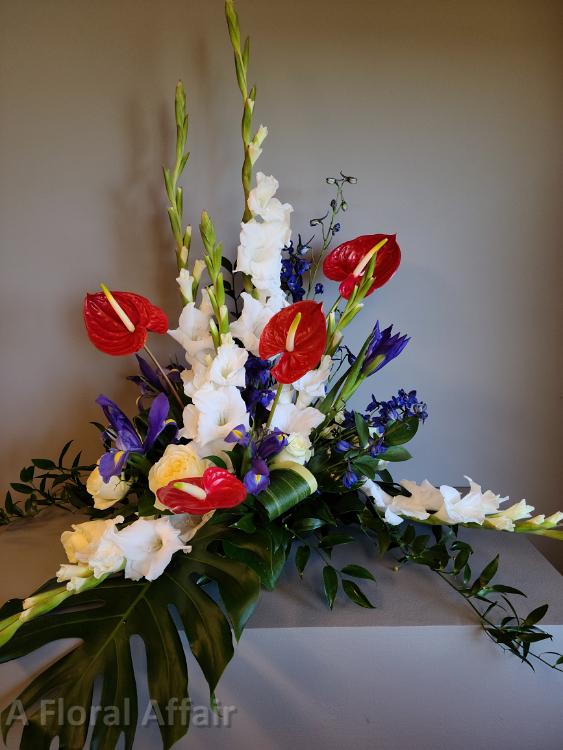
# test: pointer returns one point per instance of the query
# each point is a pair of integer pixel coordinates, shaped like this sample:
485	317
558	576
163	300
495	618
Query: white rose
298	449
177	462
106	494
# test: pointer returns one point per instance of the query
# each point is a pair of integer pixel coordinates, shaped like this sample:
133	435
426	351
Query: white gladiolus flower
472	508
188	525
76	576
260	196
395	508
197	376
228	366
193	330
537	520
255	146
213	414
291	419
312	384
554	519
106	494
426	495
259	252
148	546
298	449
108	556
504	520
185	281
250	324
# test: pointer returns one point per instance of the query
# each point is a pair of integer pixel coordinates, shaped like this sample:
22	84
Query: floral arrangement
241	457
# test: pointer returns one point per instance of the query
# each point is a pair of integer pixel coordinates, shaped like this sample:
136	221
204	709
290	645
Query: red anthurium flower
298	333
347	262
217	488
118	322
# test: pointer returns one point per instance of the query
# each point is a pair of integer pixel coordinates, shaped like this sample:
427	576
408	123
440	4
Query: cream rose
177	462
298	449
83	541
106	494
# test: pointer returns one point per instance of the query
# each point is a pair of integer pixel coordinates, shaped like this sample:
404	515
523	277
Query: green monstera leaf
107	617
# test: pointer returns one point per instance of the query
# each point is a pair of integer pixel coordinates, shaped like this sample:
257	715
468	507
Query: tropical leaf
106	618
290	484
265	551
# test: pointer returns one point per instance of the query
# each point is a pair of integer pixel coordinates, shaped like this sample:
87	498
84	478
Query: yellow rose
177	462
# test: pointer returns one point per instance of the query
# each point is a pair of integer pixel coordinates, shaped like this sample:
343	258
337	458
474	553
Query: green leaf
245	523
354	593
395	453
401	432
358	572
262	551
362	429
157	612
44	463
366	465
24	489
26	474
303	525
67	446
217	461
535	615
302	556
330	581
332	540
290	483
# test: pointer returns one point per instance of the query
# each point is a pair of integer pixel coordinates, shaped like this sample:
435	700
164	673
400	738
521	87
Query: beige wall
447	112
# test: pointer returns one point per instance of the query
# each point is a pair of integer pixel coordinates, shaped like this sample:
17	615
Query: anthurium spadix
348	262
298	334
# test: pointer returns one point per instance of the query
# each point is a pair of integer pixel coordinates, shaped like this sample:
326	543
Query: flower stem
161	370
274	404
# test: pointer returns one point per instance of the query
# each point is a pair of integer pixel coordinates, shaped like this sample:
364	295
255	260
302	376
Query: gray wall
448	114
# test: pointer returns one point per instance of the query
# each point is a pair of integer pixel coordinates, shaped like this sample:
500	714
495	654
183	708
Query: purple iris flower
382	348
258	478
128	439
272	444
238	434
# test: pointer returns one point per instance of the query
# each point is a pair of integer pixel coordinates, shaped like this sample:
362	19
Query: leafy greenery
106	618
47	483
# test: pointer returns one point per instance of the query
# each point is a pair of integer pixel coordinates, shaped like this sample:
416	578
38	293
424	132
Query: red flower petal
223	490
340	264
309	343
107	331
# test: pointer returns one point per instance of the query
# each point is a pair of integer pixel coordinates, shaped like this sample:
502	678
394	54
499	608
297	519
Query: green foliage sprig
46	483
